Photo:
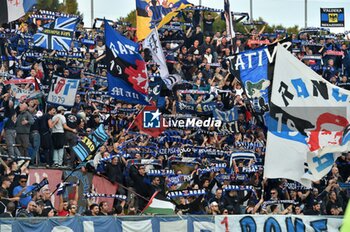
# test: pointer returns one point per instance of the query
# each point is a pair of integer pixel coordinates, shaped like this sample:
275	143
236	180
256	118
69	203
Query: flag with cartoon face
254	69
155	13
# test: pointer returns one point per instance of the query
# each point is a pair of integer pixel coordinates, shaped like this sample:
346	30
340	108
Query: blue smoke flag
56	35
86	148
127	73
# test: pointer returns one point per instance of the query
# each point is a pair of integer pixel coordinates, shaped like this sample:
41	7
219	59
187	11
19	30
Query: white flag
153	44
63	91
12	10
308	119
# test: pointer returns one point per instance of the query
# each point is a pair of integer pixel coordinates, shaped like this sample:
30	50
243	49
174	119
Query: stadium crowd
36	133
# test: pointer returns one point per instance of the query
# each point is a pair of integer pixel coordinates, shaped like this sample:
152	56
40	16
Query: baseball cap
23	177
61	108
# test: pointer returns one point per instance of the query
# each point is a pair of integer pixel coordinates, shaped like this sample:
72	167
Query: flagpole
65	179
305	13
251	10
126	188
132	123
92	13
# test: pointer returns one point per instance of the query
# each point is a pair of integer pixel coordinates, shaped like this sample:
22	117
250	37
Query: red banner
101	185
19	81
85	179
258	42
139	121
334	53
53	176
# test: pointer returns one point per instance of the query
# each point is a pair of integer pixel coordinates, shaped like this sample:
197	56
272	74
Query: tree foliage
52	5
130	18
68	6
71	7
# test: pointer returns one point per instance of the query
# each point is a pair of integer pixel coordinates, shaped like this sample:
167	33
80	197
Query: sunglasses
273	192
23	181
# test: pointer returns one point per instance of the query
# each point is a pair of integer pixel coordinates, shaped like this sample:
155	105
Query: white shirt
209	58
58	128
100	50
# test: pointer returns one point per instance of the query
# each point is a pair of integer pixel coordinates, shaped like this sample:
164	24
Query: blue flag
226	116
255	79
127	74
87	147
57	35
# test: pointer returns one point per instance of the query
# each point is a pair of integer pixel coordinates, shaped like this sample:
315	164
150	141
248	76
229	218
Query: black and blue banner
87	147
226	116
332	17
197	109
127	77
254	68
56	35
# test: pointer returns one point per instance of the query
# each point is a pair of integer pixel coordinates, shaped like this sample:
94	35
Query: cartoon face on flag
155	13
157	9
56	35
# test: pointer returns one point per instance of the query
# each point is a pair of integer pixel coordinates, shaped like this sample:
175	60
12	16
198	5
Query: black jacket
234	203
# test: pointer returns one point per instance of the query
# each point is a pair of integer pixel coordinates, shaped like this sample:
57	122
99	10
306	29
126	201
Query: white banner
139	225
15	10
20	93
153	44
63	91
200	223
308	116
276	223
